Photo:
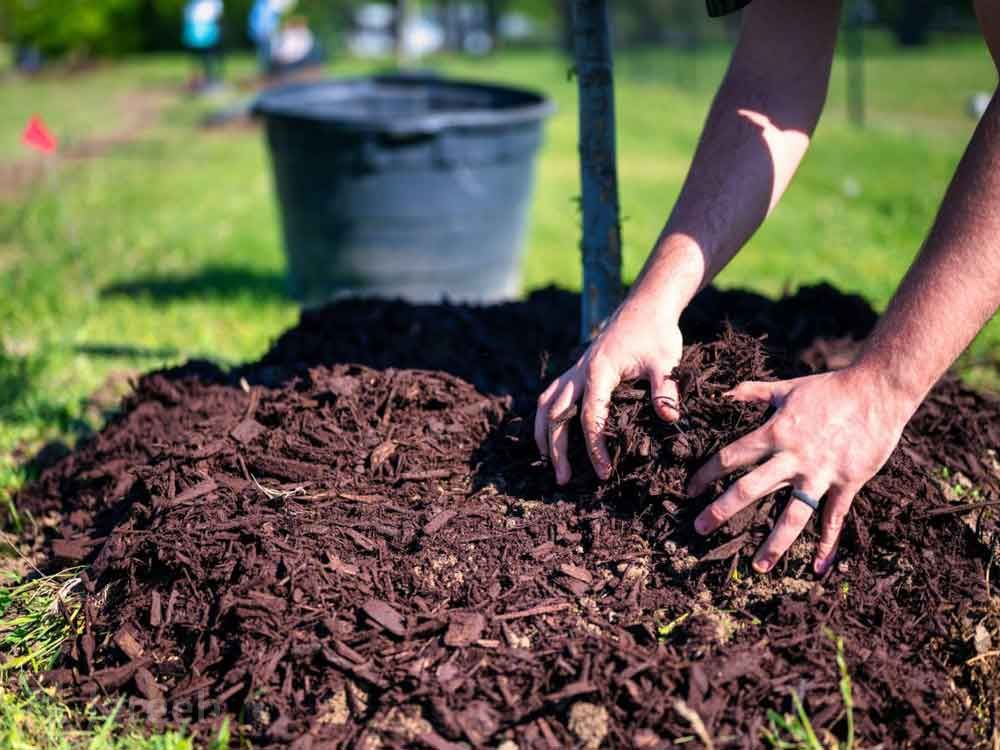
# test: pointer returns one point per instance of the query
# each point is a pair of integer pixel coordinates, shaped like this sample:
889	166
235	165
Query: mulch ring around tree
352	543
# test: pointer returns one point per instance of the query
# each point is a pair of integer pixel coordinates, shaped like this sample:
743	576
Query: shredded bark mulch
352	543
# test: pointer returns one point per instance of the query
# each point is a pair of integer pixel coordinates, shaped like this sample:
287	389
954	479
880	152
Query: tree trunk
564	9
494	11
403	10
601	245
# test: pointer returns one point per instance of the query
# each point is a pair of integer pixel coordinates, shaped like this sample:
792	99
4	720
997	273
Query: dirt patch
352	543
138	112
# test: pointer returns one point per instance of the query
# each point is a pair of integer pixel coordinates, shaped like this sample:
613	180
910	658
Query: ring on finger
806	498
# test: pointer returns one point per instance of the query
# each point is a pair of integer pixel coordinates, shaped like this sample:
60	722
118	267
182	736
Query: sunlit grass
37	615
33	719
795	730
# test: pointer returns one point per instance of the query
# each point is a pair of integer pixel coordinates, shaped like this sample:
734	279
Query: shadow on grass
126	351
20	403
211	282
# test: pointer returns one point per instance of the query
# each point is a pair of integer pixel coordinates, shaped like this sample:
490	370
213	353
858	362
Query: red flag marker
37	136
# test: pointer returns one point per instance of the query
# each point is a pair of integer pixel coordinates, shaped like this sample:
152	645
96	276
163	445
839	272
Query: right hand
639	342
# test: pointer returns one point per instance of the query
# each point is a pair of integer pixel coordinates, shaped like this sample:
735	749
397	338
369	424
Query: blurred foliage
58	26
82	28
912	20
114	27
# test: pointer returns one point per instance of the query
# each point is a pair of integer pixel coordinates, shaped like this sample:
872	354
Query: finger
749	449
838	502
666	399
763	391
601	381
542	416
759	483
790	524
558	429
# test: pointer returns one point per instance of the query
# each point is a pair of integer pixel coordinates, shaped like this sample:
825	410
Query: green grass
168	248
36	616
795	731
32	719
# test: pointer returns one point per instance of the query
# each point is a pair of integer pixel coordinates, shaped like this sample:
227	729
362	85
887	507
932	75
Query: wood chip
575	571
247	430
439	521
382	453
127	642
146	684
194	493
383	614
464	629
727	550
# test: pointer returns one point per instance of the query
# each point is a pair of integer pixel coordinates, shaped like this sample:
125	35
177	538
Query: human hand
641	341
830	434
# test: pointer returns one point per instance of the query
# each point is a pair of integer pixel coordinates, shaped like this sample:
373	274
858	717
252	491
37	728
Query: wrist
674	273
894	397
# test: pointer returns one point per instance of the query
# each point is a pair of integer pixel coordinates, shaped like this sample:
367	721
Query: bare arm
833	431
953	288
756	133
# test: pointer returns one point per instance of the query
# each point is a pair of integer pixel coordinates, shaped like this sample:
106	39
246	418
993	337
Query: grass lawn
167	247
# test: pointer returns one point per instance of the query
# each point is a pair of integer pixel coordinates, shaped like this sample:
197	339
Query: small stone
589	723
336	711
645	738
982	640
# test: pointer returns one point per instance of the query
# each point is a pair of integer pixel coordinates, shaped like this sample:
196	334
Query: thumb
666	398
759	390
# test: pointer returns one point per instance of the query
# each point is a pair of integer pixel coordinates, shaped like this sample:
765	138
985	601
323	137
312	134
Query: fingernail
702	526
762	565
821	566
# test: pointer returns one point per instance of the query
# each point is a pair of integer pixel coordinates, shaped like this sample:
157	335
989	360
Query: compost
353	543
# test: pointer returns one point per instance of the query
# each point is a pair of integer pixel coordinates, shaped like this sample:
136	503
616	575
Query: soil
352	543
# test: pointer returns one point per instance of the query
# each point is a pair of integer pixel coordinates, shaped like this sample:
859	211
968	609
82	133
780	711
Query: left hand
830	434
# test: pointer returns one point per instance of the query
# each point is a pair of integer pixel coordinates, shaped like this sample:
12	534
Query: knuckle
592	417
726	457
594	367
549	392
835	520
716	514
781	432
743	492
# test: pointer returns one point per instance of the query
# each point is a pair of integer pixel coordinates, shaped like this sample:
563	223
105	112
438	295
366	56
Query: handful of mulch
653	460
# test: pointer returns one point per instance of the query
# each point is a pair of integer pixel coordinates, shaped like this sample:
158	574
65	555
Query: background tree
601	242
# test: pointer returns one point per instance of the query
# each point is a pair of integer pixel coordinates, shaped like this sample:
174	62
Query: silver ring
807	499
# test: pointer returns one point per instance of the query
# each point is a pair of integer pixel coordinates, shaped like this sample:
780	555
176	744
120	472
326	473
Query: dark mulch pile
351	543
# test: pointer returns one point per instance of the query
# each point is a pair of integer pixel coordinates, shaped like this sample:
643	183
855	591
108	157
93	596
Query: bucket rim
276	103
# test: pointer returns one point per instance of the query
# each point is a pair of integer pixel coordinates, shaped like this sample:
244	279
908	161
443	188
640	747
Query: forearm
756	133
953	288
